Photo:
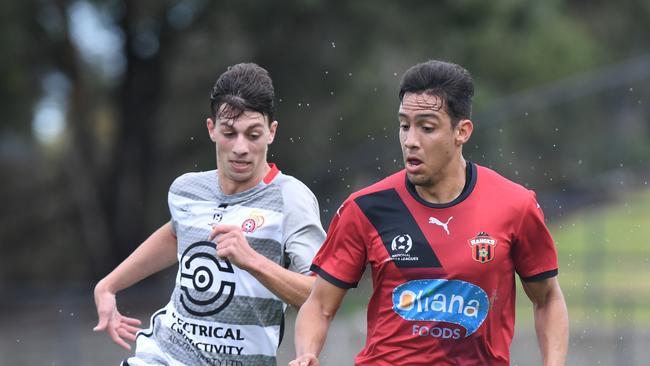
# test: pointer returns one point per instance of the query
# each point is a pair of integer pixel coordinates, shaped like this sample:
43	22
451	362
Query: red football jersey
443	274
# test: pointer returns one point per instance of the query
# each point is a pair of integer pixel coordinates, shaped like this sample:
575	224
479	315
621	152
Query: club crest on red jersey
483	247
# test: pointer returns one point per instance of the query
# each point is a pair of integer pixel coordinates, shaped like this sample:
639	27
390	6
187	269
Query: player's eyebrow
419	117
230	123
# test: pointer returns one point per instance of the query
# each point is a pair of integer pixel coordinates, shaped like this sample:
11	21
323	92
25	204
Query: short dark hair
451	82
243	87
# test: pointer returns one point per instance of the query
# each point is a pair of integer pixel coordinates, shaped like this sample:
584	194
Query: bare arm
551	319
293	288
153	255
156	253
313	321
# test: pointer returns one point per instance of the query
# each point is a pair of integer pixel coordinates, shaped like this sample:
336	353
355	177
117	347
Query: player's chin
241	177
417	179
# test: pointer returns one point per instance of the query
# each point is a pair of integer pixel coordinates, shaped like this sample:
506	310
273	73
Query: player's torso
201	274
439	273
219	313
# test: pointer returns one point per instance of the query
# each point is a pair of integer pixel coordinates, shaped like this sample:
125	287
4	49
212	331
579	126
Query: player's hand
118	327
232	245
307	359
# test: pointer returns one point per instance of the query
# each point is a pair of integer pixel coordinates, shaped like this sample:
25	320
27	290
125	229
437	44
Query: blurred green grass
604	263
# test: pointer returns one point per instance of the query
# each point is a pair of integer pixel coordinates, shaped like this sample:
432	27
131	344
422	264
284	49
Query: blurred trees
129	82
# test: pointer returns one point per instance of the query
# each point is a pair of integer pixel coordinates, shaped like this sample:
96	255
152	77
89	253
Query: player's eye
428	129
254	135
403	127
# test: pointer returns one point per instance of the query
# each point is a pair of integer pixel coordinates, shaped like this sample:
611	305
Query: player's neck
230	186
447	185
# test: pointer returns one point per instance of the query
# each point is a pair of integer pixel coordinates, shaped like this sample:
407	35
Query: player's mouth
413	165
240	165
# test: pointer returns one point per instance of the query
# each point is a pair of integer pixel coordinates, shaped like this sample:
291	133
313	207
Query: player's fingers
116	338
223	252
120	342
305	360
130	329
213	234
101	324
221	229
125	333
306	363
131	321
310	360
226	237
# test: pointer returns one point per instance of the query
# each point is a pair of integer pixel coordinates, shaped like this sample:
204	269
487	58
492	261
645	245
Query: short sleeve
173	203
342	259
534	252
173	225
303	232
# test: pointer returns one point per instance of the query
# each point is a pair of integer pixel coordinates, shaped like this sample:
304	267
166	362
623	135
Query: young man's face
242	144
429	143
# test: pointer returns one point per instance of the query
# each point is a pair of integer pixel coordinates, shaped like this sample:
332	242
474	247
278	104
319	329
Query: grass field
605	263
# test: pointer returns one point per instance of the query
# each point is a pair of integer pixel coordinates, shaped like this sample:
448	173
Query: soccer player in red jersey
444	239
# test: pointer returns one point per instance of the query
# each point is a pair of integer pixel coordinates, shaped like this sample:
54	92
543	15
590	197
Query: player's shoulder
288	182
392	181
500	185
293	191
194	180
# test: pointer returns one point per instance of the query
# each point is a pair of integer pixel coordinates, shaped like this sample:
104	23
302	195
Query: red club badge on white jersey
253	222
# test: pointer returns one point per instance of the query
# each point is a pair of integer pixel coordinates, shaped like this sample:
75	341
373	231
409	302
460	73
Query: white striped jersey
220	314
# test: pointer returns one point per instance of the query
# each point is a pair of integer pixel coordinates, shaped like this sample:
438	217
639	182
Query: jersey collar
271	174
470	182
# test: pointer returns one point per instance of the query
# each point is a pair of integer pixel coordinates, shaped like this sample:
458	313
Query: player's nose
240	146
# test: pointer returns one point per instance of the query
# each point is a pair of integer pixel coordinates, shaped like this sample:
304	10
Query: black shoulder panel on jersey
400	233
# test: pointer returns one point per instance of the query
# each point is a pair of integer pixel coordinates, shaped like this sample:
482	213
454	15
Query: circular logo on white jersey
248	226
402	243
204	291
217	217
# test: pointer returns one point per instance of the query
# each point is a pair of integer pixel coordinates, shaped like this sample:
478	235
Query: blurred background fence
104	104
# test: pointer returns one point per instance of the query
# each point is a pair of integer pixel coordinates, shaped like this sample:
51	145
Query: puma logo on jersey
433	220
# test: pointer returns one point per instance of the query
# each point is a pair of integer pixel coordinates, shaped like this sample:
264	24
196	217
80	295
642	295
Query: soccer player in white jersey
243	235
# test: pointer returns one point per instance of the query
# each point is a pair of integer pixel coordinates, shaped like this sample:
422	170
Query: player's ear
272	128
463	131
209	123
